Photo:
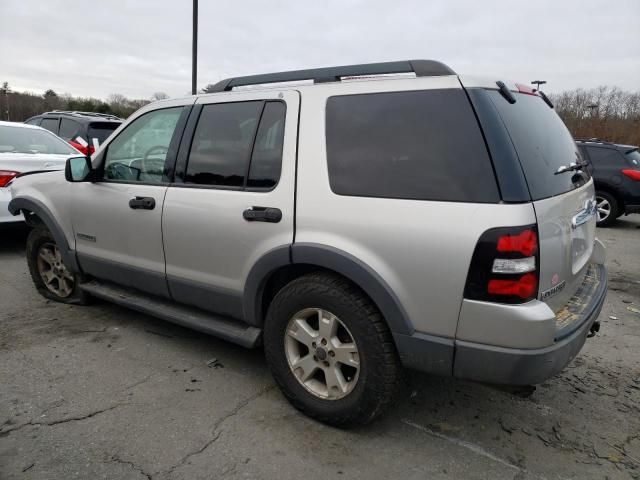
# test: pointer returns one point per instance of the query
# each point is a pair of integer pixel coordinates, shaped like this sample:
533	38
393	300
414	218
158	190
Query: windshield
101	131
634	158
542	142
32	140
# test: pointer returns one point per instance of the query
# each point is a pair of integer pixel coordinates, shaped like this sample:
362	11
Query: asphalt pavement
102	392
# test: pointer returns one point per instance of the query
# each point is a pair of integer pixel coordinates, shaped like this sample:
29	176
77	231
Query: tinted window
34	121
605	158
50	124
32	140
69	129
634	158
139	152
416	145
266	159
101	131
222	143
542	142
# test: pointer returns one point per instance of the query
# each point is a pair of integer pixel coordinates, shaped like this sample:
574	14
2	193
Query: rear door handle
143	203
262	214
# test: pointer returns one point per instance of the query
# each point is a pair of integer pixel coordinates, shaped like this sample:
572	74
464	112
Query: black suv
616	173
83	130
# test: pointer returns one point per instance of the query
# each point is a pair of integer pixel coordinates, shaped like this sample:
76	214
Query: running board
223	327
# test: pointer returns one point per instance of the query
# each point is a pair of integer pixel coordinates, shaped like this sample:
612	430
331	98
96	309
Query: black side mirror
78	169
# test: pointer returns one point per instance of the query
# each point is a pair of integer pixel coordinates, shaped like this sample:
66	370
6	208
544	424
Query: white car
27	148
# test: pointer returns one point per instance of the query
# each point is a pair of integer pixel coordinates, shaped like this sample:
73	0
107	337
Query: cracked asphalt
102	392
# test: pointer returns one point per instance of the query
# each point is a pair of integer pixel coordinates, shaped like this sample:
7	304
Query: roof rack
422	68
594	140
106	116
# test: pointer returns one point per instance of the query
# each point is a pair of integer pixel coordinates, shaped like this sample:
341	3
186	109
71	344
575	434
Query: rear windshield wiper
572	167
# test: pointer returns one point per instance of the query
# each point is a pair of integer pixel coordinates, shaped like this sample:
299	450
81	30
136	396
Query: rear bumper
513	366
487	363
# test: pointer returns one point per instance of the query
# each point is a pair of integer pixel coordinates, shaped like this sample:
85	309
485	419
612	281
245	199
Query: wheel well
284	275
32	219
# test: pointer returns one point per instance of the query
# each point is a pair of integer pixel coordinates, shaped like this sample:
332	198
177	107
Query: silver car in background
23	149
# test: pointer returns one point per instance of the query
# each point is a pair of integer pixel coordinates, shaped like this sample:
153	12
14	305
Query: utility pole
194	52
538	83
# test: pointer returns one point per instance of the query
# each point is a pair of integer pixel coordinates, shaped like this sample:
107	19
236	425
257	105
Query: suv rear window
634	157
101	131
423	145
542	142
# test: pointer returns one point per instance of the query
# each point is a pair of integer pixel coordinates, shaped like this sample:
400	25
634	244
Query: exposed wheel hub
321	353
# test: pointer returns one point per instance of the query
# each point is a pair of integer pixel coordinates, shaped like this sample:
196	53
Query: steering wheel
157	149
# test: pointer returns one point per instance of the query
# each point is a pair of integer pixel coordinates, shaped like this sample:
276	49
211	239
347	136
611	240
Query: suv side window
139	152
222	143
266	159
50	124
34	121
238	145
69	129
422	145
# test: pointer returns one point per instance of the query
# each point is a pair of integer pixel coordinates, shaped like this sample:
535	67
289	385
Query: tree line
607	113
19	106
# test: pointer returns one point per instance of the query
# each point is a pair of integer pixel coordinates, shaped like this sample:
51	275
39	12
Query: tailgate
566	229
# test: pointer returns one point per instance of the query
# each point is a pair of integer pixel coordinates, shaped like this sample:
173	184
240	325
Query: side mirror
78	169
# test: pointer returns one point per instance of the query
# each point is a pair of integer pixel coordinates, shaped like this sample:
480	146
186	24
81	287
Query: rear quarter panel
422	249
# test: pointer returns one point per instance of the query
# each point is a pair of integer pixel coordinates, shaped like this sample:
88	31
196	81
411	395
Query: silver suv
354	220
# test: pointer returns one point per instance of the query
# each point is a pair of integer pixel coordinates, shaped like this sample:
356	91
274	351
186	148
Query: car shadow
13	237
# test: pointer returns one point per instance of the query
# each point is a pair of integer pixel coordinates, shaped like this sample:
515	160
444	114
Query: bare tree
5	91
608	113
159	96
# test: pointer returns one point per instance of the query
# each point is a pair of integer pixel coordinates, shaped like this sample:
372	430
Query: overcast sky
95	48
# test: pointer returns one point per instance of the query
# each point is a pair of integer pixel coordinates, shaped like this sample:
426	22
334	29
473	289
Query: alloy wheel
604	208
322	353
53	272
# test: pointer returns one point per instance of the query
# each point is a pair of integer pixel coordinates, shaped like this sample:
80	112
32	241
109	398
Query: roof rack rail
86	114
594	140
422	68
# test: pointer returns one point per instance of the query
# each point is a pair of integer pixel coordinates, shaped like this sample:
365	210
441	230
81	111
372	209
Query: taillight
505	265
632	174
81	148
6	176
86	150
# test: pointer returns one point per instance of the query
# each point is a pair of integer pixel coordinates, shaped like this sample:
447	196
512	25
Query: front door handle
143	203
262	214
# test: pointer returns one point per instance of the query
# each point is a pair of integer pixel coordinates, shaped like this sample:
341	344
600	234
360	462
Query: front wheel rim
322	353
57	279
603	207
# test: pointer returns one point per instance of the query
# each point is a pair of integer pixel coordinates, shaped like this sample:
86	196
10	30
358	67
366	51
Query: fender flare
17	205
331	258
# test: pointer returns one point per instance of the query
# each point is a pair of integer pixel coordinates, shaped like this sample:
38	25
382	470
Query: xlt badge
553	290
84	236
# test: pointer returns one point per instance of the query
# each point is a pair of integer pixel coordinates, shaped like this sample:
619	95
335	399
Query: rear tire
328	332
50	275
608	209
